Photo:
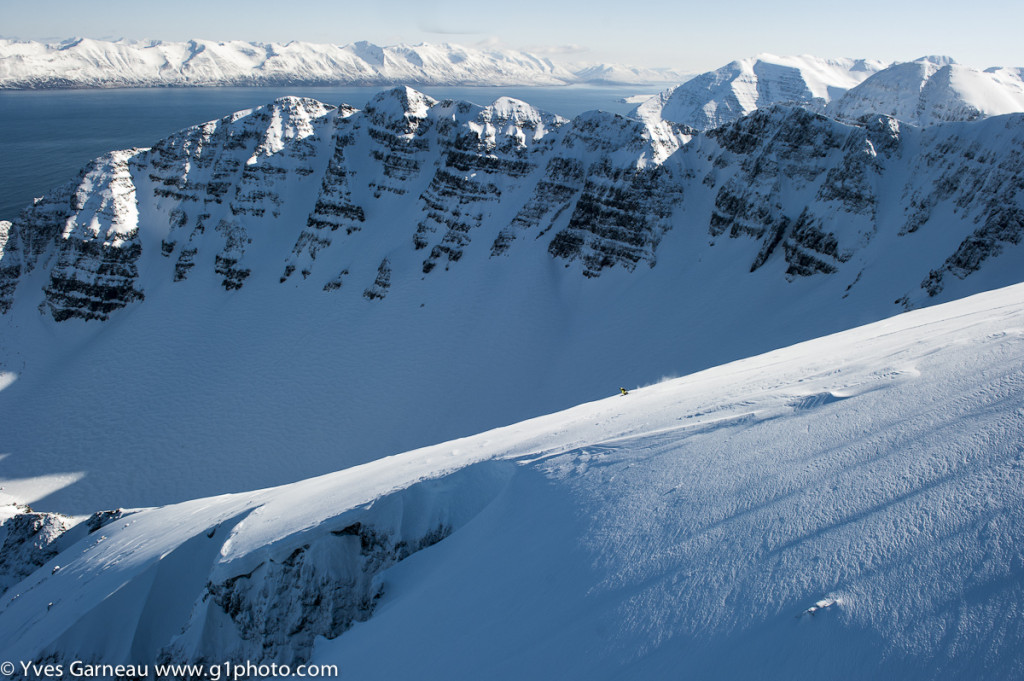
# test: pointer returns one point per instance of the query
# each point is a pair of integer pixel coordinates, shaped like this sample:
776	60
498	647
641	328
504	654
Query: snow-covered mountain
85	63
735	90
929	90
849	507
303	287
933	90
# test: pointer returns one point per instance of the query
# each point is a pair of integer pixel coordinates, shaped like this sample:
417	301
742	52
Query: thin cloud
491	41
557	50
436	27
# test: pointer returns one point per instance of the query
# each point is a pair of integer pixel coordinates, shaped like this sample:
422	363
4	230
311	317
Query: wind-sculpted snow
850	505
228	585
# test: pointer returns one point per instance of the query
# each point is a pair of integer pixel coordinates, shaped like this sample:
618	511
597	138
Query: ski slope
848	507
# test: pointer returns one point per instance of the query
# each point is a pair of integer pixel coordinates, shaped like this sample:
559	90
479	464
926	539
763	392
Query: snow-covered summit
933	90
937	59
515	119
400	103
717	97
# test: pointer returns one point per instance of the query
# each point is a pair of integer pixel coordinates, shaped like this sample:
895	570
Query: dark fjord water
47	136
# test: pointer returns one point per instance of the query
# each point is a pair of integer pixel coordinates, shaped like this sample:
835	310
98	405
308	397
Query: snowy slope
721	96
849	507
933	90
304	287
82	62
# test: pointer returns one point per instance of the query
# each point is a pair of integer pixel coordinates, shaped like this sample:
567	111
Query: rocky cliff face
28	540
262	602
215	180
802	185
336	195
978	179
87	234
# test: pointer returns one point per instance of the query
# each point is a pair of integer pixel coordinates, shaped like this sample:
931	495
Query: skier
624	391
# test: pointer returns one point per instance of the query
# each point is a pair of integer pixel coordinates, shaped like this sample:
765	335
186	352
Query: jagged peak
296	103
780	112
290	118
519	112
624	129
937	59
510	118
106	201
604	130
795	124
597	118
401	102
510	107
632	142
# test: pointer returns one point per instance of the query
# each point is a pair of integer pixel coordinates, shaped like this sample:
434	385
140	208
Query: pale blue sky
692	36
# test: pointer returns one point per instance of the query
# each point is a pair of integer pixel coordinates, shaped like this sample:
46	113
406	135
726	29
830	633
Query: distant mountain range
928	90
740	87
934	90
84	63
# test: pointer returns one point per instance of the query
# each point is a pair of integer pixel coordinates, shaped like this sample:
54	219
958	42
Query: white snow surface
86	63
848	507
717	97
933	90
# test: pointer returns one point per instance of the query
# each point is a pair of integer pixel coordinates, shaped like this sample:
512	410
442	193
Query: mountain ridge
87	63
726	94
584	254
471	151
929	90
932	90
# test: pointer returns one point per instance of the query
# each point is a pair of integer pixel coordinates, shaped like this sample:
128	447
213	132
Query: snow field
847	507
